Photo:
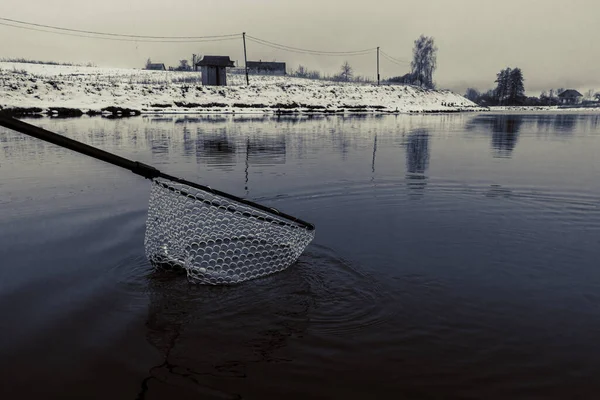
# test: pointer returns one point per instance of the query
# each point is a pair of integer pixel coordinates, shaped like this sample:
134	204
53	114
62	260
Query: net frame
218	238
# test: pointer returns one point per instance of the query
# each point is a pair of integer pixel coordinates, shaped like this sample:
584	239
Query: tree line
345	74
510	91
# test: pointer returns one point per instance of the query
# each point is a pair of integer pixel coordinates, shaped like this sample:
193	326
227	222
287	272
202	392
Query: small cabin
570	96
156	67
269	68
214	70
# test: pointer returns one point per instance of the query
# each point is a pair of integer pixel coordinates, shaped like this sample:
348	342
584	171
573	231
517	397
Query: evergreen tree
503	85
516	88
473	94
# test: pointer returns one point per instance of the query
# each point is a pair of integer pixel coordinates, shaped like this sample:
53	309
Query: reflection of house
216	150
266	151
156	67
260	67
570	96
214	71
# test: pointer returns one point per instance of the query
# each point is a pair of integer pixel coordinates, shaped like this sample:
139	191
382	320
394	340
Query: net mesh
215	239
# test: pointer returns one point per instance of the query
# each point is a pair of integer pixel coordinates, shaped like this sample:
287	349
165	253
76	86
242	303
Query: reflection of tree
505	132
417	152
417	160
207	337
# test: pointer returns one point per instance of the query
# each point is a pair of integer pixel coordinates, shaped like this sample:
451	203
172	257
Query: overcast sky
554	42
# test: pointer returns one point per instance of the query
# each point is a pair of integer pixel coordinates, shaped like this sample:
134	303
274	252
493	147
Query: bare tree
424	61
184	65
301	72
589	95
346	71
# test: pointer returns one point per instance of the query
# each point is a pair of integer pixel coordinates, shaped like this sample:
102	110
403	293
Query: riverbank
553	109
28	89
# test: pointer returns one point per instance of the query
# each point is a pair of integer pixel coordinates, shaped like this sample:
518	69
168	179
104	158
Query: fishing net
217	239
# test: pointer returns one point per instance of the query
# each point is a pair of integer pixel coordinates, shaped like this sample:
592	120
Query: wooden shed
214	70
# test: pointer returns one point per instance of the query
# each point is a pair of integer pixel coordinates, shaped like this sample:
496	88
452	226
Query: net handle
138	168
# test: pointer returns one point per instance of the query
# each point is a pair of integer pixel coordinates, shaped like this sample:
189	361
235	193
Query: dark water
456	256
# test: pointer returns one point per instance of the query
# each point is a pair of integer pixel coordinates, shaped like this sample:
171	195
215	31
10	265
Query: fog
552	41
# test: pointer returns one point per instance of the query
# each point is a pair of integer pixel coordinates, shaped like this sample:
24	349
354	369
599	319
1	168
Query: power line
395	63
235	35
307	51
394	60
122	39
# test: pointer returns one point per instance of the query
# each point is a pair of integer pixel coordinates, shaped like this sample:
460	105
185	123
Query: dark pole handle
136	167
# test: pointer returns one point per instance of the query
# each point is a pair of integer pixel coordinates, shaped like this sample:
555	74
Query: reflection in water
159	140
268	150
188	142
489	279
211	338
417	159
215	149
504	129
558	123
505	132
417	152
566	122
496	190
374	153
174	305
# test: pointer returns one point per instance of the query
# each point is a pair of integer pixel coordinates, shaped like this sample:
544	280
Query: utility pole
245	59
377	65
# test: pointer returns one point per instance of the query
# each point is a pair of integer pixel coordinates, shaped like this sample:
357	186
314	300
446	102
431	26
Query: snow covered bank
77	89
553	109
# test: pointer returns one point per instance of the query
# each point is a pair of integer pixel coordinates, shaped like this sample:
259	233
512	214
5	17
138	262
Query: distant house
214	72
262	67
156	67
570	96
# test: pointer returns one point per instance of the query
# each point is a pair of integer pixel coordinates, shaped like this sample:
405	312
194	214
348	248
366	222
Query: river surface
455	256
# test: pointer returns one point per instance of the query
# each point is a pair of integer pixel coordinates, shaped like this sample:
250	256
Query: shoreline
124	112
35	89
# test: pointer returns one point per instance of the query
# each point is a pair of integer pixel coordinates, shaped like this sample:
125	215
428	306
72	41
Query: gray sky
554	42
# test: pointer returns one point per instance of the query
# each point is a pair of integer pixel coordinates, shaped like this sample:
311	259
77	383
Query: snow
93	88
553	109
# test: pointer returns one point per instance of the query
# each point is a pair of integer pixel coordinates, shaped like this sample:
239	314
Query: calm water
456	256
